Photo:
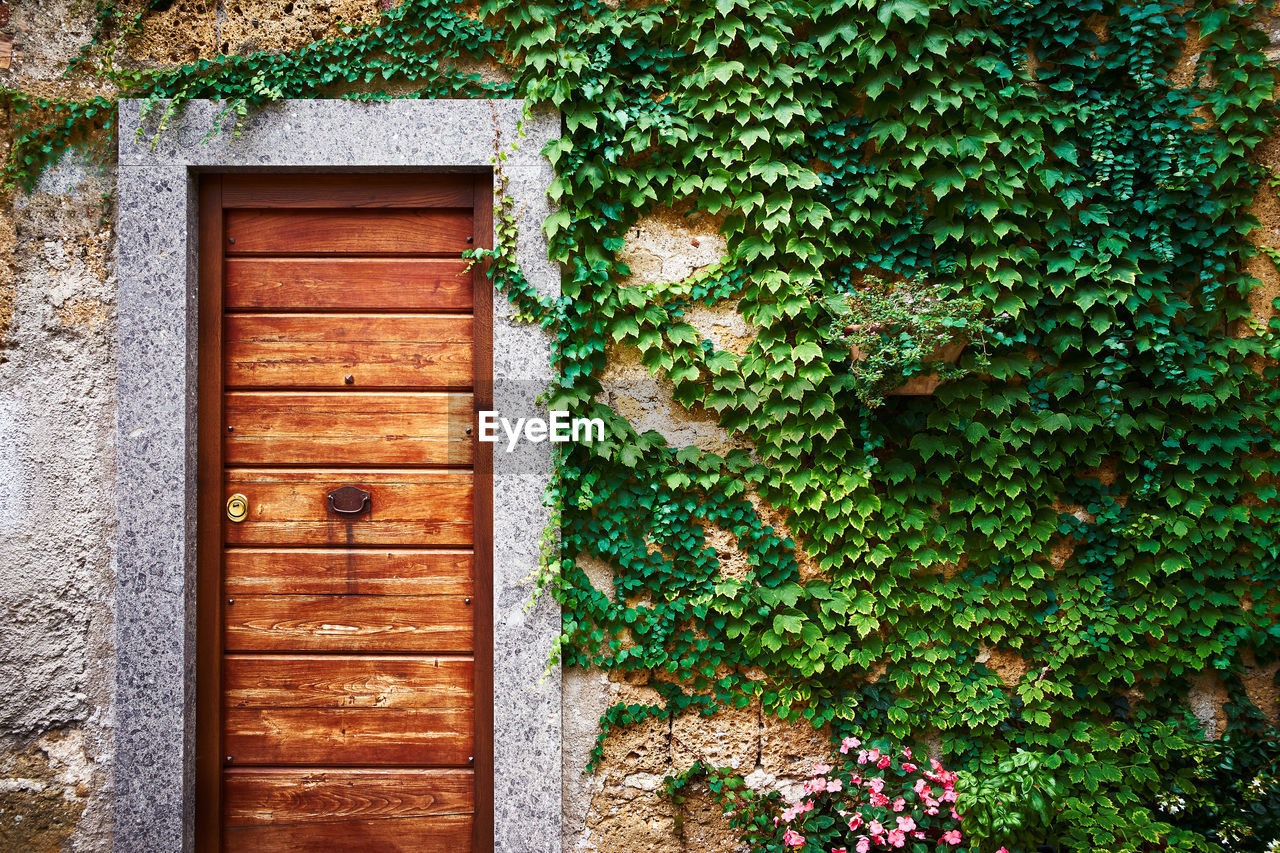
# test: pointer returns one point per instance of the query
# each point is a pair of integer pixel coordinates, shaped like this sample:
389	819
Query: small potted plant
905	337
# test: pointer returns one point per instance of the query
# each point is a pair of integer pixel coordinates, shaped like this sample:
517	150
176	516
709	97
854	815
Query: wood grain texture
349	623
351	571
352	428
289	507
334	191
346	651
357	736
443	834
260	797
209	522
482	386
380	284
321	350
331	681
443	231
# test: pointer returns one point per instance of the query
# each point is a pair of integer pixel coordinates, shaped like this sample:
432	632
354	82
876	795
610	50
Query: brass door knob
237	507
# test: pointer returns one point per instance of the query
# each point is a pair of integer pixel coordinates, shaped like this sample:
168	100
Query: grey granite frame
156	450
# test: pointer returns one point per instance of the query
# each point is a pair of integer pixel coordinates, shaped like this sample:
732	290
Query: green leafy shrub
1229	790
1013	804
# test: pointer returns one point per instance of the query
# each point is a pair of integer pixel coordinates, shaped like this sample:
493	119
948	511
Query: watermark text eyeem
558	428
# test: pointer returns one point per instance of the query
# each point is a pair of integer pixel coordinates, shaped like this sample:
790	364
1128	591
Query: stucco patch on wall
57	512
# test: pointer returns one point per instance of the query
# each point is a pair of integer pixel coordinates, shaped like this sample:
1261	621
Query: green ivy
1052	161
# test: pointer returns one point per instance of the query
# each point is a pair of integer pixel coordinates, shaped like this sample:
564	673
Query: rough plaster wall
57	454
56	519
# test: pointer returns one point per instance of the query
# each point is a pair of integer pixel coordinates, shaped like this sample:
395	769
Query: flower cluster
873	798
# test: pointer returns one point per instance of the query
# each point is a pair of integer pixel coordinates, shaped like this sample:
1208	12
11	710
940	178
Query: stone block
728	738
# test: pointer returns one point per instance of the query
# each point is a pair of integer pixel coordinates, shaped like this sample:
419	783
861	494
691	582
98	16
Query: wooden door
344	696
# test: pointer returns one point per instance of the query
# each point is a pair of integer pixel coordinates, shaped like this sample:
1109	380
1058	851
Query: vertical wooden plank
482	520
208	806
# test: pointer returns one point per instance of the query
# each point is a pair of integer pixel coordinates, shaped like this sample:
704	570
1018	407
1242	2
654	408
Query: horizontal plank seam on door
336	547
281	657
337	389
444	254
431	549
353	818
373	772
330	312
310	768
342	191
374	474
372	769
356	315
358	466
353	392
455	654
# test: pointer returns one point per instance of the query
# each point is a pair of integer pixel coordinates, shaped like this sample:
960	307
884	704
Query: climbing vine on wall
1099	498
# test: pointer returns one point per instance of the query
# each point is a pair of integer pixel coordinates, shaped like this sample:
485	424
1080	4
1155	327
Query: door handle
350	501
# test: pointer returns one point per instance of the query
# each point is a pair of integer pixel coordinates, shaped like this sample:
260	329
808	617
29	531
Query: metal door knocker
350	501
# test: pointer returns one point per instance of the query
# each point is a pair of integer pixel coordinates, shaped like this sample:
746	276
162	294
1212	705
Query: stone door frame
155	564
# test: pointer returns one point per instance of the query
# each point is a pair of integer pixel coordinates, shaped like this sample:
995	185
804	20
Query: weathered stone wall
57	377
57	500
57	417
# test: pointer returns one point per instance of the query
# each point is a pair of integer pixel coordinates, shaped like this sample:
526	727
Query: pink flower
884	761
922	787
862	756
864	844
848	744
897	838
839	850
793	839
949	796
906	824
855	822
879	800
953	837
814	786
906	752
821	769
835	785
876	784
899	804
873	755
875	827
908	767
1003	850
